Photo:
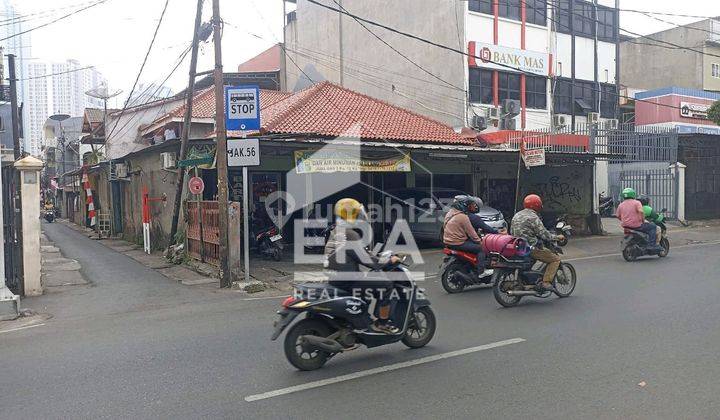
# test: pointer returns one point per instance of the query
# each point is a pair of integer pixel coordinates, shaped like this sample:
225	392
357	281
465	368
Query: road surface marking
382	369
21	328
593	257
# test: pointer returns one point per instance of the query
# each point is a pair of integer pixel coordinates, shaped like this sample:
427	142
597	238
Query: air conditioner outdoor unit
593	118
493	113
612	124
509	123
511	107
168	160
479	122
121	170
559	121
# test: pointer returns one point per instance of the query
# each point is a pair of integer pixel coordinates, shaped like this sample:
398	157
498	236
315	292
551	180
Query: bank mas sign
242	107
508	59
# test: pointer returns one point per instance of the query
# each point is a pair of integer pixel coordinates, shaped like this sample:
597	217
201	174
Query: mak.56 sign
242	107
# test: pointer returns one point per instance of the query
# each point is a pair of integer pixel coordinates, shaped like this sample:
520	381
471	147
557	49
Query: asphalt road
636	340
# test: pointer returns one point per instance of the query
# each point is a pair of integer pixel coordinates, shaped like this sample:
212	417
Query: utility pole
187	118
221	136
14	106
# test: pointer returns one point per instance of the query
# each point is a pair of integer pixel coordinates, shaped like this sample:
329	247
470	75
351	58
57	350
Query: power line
97	3
38	15
398	52
142	67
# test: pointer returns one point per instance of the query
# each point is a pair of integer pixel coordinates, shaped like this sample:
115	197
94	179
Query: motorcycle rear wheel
303	356
565	280
448	280
421	328
629	254
503	279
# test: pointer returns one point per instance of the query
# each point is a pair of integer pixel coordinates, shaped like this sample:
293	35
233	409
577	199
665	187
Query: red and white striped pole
89	200
146	220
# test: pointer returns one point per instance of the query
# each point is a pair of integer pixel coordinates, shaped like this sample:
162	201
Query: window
481	6
609	100
535	92
510	9
583	23
536	12
562	99
585	97
563	16
481	86
716	70
509	86
607	26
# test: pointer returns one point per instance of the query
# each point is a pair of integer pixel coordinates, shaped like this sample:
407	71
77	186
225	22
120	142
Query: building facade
18	45
553	58
70	81
654	63
35	106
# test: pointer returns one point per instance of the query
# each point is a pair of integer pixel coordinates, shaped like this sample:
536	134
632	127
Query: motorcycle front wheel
665	245
450	282
629	253
565	280
421	328
303	355
504	280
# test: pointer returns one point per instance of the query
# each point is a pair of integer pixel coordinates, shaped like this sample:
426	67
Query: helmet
478	201
461	202
629	193
533	202
647	210
644	200
348	209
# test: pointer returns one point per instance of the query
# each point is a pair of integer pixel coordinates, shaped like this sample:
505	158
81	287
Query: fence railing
626	143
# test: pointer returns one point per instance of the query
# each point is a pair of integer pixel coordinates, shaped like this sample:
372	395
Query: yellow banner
308	162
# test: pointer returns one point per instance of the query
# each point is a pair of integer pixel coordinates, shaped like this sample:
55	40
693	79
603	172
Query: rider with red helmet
528	225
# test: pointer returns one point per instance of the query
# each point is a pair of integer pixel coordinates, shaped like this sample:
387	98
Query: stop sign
196	185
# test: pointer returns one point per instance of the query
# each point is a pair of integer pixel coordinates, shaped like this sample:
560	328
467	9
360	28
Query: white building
36	107
17	45
70	81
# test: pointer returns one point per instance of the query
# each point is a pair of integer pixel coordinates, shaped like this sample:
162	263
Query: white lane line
594	257
21	328
382	369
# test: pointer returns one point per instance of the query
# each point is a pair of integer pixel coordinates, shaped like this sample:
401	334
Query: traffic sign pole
246	227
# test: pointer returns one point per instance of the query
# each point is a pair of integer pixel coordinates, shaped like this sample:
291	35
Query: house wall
644	65
370	67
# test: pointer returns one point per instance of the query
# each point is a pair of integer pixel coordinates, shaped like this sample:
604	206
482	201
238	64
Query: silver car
424	209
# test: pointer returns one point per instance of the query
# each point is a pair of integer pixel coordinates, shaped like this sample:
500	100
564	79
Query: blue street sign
242	107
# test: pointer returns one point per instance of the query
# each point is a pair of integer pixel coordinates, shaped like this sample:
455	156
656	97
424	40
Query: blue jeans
651	231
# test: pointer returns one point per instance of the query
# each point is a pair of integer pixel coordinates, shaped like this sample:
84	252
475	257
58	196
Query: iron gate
13	250
659	185
701	154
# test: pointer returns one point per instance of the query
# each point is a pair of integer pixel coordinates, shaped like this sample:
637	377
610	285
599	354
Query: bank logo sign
508	59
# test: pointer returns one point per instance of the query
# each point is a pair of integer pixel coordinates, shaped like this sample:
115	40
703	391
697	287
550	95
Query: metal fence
626	143
11	220
203	231
659	185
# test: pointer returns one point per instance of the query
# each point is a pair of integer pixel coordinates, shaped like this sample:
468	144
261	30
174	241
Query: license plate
275	238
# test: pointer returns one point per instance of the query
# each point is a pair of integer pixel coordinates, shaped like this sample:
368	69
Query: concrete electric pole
221	136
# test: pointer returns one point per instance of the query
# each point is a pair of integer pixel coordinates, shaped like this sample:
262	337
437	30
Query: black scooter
636	244
607	205
336	321
49	215
267	242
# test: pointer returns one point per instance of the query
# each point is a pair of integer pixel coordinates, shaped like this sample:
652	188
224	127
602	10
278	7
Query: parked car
425	209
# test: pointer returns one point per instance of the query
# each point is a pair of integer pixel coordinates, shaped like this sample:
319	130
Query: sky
115	36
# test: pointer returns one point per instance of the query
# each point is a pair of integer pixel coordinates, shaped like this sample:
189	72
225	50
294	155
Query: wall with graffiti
564	189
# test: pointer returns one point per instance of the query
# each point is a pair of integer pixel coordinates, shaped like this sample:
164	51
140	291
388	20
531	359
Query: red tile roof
266	61
328	110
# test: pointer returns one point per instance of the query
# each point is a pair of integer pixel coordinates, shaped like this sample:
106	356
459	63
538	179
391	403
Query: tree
714	112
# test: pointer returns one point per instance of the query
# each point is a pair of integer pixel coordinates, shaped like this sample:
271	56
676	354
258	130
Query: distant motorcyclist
459	233
632	216
477	222
528	225
345	253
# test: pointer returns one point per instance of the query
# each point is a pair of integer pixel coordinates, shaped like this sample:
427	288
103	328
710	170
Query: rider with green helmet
632	216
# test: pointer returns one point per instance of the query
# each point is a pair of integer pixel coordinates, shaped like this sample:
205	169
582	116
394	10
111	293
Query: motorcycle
519	275
268	242
607	205
459	270
336	321
49	215
636	244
